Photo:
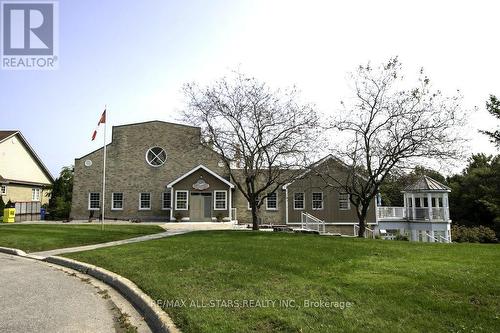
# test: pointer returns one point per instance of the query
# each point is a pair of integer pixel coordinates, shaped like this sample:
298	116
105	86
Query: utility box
9	215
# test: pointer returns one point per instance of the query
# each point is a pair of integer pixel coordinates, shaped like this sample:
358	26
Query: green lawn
38	237
393	286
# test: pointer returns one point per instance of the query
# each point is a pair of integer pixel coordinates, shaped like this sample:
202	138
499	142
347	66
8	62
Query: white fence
416	213
388	213
27	211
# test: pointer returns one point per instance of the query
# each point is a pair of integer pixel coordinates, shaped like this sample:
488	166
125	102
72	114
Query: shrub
219	217
178	216
401	237
480	234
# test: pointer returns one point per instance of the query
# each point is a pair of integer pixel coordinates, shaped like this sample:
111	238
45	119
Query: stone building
159	171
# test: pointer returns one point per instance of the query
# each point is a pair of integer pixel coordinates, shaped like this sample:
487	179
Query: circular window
88	163
156	156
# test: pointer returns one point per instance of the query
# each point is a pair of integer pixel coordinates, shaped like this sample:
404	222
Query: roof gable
228	183
17	135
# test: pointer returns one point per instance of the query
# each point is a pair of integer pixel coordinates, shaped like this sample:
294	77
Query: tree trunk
362	212
255	218
362	227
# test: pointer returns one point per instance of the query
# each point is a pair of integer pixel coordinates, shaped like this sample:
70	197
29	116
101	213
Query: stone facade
129	173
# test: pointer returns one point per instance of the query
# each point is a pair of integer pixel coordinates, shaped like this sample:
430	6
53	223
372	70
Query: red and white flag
101	121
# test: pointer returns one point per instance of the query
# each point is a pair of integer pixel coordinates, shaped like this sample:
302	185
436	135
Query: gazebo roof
426	184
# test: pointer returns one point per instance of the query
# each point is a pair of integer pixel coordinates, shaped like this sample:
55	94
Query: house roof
426	184
4	135
316	164
197	168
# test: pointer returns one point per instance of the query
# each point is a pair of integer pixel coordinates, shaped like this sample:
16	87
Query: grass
38	237
393	286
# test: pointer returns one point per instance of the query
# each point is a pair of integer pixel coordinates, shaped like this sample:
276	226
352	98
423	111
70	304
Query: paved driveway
35	297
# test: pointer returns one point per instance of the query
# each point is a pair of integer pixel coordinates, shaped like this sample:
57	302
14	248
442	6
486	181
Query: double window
166	201
94	200
181	200
298	200
35	194
272	201
317	200
3	189
220	202
344	203
117	201
145	201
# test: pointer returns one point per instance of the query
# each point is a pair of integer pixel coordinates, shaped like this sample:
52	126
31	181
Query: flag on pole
102	120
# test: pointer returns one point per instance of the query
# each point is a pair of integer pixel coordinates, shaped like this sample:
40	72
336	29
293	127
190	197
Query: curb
157	319
15	252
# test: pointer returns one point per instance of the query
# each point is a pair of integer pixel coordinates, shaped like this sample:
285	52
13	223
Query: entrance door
200	208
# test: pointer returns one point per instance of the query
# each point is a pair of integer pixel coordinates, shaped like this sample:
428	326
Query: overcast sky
134	56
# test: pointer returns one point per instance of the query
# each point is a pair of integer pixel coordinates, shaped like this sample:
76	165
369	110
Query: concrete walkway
172	229
45	254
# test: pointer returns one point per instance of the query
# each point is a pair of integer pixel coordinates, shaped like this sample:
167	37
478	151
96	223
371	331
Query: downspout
286	204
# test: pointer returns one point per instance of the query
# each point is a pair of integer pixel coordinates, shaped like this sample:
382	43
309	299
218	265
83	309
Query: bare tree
263	135
389	126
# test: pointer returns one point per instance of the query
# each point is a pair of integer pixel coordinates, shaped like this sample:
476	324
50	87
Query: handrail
432	237
445	239
304	221
356	228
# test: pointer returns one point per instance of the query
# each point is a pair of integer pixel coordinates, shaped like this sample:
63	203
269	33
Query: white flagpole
104	167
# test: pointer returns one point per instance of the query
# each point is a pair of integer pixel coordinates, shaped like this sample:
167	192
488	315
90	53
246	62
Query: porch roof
427	184
201	166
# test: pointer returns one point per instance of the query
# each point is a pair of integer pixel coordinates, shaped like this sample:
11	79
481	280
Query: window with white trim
317	200
220	202
156	156
35	194
94	201
344	203
298	200
181	200
272	201
144	201
166	202
3	189
117	201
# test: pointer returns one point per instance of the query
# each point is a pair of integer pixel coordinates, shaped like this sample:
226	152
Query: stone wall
128	172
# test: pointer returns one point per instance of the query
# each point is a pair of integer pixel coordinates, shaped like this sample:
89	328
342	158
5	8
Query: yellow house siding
16	162
22	193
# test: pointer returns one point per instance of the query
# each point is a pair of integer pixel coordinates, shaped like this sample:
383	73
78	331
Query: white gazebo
425	216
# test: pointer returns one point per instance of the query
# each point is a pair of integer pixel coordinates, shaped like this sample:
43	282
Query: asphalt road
35	297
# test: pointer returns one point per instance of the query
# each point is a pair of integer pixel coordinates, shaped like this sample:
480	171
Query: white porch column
405	208
230	204
429	204
172	204
286	205
446	208
413	206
